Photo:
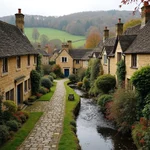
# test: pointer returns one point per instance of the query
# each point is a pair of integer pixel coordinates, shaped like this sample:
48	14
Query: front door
19	93
66	72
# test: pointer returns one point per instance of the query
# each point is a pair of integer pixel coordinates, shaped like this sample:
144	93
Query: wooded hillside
77	23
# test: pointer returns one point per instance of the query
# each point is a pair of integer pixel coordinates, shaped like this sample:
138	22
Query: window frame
5	65
18	62
77	61
119	57
64	59
28	60
105	59
134	60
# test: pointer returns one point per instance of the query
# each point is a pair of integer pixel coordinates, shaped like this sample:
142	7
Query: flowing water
95	132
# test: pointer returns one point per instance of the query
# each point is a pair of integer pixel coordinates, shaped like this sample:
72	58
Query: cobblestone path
47	131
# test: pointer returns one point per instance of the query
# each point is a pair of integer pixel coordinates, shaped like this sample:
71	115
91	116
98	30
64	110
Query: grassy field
23	132
57	34
68	139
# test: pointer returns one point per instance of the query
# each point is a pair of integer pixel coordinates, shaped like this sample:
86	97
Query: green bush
72	78
141	81
12	125
94	91
123	109
4	134
45	82
106	83
32	98
53	75
10	106
47	69
51	78
35	81
86	84
43	90
95	70
102	100
26	114
7	115
80	74
79	84
57	70
121	72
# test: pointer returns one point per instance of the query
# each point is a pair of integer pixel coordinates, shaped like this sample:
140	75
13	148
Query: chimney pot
119	20
106	28
19	11
146	3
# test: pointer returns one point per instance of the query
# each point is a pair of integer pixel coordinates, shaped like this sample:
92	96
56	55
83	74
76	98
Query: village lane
47	131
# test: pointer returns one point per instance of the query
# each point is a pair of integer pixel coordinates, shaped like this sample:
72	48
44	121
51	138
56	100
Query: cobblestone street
47	131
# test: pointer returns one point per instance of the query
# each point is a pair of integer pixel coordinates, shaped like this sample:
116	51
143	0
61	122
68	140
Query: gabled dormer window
28	60
118	56
105	59
64	59
18	59
134	61
5	65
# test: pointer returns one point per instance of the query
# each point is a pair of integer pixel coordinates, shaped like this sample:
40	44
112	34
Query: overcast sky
58	7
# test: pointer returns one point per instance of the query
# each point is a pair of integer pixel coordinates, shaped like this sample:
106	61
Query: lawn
68	139
48	96
23	132
57	34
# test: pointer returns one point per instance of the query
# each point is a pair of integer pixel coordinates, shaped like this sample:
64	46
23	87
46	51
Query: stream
95	132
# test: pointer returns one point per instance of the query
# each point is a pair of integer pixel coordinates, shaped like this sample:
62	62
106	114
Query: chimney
145	13
119	27
20	20
65	46
69	44
106	34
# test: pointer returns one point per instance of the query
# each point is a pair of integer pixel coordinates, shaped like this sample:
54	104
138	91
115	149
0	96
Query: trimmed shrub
19	116
7	115
86	84
80	74
51	78
12	124
56	69
26	114
47	69
106	83
102	100
53	75
141	81
32	98
4	134
45	82
43	90
72	78
10	106
35	81
79	84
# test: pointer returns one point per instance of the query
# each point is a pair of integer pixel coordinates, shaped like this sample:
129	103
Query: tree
131	23
92	40
35	34
44	39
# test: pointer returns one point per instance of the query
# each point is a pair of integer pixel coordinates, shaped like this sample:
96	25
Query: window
18	58
64	59
25	86
77	61
28	60
5	65
105	59
134	60
10	95
118	56
29	84
35	59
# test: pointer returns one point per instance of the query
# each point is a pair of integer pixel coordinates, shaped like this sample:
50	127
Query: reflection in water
96	133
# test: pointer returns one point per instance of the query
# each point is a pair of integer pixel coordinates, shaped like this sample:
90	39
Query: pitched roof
133	30
13	42
86	56
42	52
78	53
141	44
126	41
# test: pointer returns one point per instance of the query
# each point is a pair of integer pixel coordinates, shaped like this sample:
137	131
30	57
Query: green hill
57	34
